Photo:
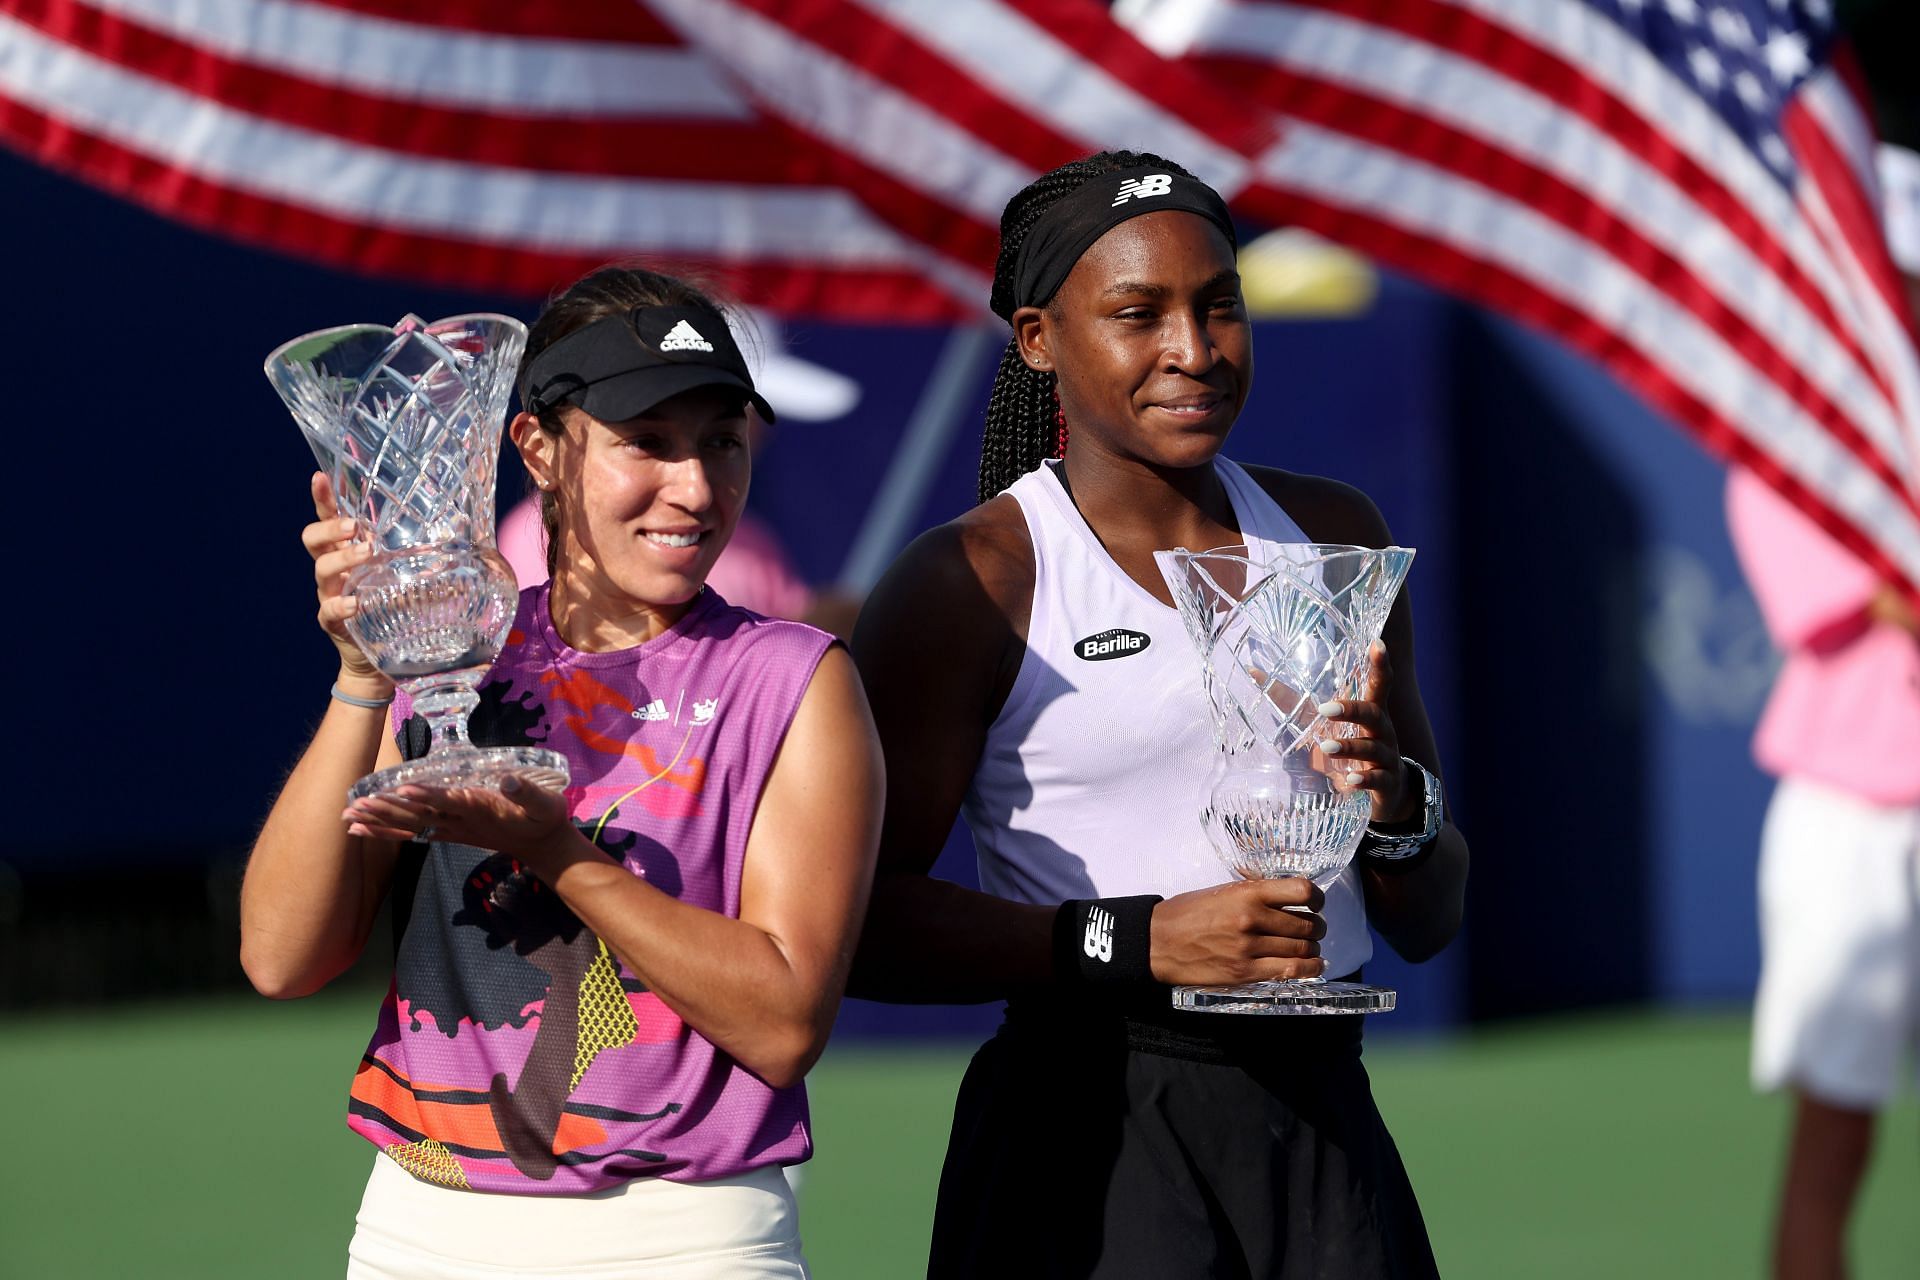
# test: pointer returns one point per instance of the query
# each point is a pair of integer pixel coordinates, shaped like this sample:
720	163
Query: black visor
621	366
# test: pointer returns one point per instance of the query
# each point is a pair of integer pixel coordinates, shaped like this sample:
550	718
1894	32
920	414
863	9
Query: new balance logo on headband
684	337
1154	184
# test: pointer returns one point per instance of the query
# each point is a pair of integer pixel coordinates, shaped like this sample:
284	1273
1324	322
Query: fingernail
1330	745
510	785
1332	708
1355	779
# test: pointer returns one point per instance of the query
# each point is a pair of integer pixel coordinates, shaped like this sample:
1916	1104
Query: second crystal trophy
1280	633
406	422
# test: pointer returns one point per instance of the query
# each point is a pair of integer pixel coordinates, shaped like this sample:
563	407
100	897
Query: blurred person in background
1101	1132
1837	1014
754	571
603	1003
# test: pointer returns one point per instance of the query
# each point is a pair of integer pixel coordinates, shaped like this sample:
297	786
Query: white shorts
1839	1000
746	1227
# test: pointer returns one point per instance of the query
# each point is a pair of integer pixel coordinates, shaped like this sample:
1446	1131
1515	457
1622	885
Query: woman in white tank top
1025	666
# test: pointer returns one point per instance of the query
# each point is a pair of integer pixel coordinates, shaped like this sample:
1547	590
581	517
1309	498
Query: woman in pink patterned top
603	1002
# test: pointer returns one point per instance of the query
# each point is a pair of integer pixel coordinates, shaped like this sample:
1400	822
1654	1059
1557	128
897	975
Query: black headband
1071	224
620	366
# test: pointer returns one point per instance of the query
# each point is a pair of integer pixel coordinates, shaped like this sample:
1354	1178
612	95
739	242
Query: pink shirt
1845	710
514	1052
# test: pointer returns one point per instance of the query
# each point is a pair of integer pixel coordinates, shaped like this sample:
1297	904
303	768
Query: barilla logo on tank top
1115	643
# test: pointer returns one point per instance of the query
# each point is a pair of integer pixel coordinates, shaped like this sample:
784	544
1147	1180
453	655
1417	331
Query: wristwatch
1387	846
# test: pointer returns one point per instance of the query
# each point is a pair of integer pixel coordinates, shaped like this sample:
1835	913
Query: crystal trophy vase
1278	634
406	423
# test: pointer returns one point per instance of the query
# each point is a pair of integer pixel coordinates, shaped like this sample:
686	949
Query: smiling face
645	507
1149	341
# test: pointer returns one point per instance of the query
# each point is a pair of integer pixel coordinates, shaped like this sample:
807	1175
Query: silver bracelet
371	704
1390	847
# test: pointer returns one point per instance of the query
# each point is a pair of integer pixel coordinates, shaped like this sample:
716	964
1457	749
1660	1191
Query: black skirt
1119	1141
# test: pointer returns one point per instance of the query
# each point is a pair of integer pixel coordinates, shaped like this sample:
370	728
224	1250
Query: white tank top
1091	781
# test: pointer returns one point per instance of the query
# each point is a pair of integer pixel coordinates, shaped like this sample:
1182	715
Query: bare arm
937	652
311	891
1891	606
763	987
1417	911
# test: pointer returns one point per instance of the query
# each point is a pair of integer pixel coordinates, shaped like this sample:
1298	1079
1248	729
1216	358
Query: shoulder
983	558
1326	510
526	650
962	593
529	616
760	642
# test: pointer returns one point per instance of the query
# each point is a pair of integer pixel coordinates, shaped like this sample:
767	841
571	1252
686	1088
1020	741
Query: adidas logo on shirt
684	337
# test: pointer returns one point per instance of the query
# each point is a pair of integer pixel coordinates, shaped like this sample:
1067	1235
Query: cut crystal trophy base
459	766
1299	997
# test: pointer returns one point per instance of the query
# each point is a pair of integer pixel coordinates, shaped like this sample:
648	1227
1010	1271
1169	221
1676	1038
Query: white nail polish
1354	779
1332	708
1330	745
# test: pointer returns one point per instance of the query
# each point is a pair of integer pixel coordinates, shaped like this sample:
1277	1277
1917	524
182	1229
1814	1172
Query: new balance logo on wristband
1106	941
1099	942
1154	184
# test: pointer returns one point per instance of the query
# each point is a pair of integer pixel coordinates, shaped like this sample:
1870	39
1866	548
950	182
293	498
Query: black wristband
1103	941
1397	866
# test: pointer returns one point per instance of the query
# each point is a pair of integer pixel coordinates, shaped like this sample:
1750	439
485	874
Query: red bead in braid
1059	427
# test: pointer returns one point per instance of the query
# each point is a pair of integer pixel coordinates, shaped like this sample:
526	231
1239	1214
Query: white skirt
746	1226
1838	1010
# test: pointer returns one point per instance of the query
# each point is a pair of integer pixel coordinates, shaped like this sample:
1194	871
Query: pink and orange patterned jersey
513	1051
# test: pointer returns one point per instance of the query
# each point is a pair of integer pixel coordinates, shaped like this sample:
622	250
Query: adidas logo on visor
684	337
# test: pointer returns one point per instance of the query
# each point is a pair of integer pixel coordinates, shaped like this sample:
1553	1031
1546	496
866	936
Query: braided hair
1025	425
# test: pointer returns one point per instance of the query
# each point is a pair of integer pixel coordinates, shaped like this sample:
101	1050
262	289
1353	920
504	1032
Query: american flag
841	159
1682	188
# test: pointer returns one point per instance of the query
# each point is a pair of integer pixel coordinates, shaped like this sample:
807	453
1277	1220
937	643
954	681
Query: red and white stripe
938	110
1531	155
542	75
514	150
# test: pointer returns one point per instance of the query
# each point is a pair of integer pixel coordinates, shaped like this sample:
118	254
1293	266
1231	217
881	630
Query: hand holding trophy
406	422
1278	636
